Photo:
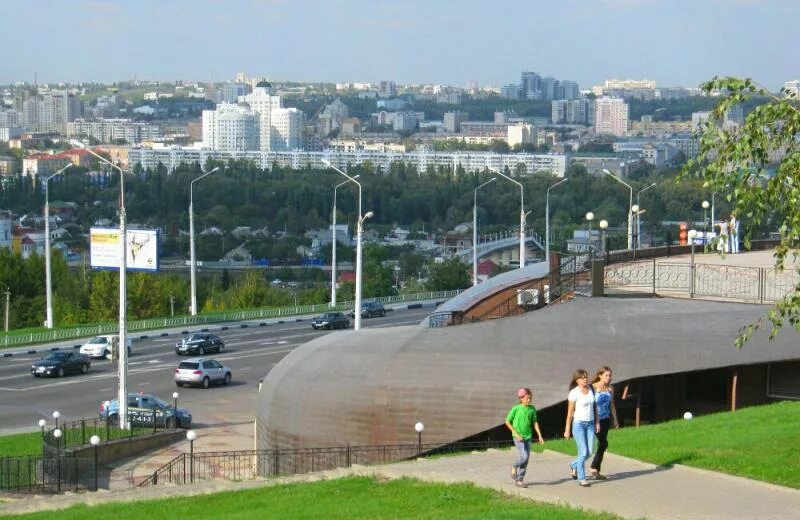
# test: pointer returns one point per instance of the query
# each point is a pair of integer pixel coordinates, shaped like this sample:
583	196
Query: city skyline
677	43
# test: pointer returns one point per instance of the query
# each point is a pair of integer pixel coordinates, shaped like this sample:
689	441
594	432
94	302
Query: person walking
581	422
521	420
733	231
606	416
724	238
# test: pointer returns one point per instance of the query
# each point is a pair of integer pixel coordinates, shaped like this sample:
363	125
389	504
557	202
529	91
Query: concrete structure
230	128
611	116
453	120
279	128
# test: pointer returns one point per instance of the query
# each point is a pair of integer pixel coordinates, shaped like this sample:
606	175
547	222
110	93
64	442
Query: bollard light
692	236
688	416
42	424
603	228
191	436
56	415
419	427
95	441
175	396
57	435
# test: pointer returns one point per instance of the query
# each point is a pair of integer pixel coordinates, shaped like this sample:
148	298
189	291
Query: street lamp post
589	219
521	216
57	434
333	243
705	221
638	222
193	259
475	232
419	427
56	415
630	206
191	436
603	228
547	221
122	394
692	235
42	424
48	322
95	442
359	233
175	396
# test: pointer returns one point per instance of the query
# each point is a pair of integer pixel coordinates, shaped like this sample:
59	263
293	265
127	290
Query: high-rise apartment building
387	89
574	111
230	92
112	130
629	84
50	111
279	128
230	128
453	120
533	86
611	116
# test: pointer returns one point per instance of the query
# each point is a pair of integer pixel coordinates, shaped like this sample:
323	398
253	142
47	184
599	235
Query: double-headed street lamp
522	215
122	395
333	242
48	322
547	221
359	233
630	206
638	221
475	232
193	259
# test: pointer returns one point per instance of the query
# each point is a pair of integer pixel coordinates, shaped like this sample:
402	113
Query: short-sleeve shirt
522	418
584	404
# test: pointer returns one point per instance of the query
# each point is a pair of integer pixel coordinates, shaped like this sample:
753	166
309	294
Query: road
250	353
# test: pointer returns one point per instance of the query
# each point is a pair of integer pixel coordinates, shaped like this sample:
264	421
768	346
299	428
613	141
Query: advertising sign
142	249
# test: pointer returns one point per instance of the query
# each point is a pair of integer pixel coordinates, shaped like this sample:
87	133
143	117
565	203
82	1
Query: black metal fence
35	474
243	465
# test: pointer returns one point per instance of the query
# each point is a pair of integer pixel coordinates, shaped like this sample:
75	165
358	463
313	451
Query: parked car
59	363
370	310
199	344
100	346
330	320
202	372
141	408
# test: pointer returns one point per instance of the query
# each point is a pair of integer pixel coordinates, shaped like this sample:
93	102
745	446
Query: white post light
603	228
475	232
333	243
192	258
638	221
175	396
630	206
692	235
589	219
122	394
419	428
359	230
94	440
521	216
191	436
705	206
57	434
56	415
48	322
547	221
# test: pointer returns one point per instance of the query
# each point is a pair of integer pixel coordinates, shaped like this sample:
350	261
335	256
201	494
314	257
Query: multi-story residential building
113	130
10	118
530	85
510	91
230	127
650	128
611	116
387	89
8	133
43	164
699	119
521	133
792	88
527	163
453	120
405	121
50	111
573	111
8	164
629	84
279	128
231	92
485	129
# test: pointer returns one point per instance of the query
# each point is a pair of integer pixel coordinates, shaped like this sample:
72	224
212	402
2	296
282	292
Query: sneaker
583	483
514	472
520	484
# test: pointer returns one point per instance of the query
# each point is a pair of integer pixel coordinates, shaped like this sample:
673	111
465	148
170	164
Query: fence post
655	265
347	456
83	431
277	461
154	420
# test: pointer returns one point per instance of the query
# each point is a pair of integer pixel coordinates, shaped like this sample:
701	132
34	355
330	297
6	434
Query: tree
738	158
448	275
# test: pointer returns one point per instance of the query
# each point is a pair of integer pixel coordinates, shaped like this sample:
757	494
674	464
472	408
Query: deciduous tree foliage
758	165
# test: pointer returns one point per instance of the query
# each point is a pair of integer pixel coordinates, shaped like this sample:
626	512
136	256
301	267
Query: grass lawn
760	442
21	444
346	499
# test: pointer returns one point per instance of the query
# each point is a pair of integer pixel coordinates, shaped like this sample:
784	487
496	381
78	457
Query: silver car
202	372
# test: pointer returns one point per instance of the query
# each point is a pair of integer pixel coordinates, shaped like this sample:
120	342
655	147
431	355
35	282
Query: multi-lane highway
250	353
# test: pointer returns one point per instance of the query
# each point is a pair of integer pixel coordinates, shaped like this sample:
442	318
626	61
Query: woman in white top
583	419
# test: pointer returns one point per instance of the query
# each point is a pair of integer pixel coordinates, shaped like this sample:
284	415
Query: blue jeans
524	449
583	433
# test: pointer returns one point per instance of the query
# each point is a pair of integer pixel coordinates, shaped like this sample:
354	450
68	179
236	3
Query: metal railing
749	284
56	474
205	319
249	464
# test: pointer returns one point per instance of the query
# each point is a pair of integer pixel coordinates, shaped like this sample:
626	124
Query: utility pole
8	304
171	305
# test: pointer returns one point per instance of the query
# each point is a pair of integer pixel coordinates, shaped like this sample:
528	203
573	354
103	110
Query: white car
100	346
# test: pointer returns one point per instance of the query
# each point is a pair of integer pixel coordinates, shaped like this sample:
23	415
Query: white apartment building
521	133
278	128
111	130
171	158
230	128
573	111
611	116
50	111
629	84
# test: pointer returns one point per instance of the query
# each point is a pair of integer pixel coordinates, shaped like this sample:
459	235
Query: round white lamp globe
191	435
42	422
57	433
94	440
688	415
419	427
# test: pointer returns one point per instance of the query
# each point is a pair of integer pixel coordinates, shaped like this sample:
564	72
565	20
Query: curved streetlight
638	222
547	221
122	394
359	233
521	215
193	259
333	242
48	321
630	206
475	232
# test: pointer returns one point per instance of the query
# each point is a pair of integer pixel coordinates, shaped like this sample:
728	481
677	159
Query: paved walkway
634	489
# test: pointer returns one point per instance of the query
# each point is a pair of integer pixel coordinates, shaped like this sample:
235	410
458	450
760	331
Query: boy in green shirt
521	420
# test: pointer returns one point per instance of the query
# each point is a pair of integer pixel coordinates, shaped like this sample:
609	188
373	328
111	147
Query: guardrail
205	319
188	468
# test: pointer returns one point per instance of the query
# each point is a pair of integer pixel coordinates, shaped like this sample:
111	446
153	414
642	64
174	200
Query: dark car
330	320
370	310
60	363
199	344
142	408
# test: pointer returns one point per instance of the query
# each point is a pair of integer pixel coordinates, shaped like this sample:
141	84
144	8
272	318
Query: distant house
241	232
213	230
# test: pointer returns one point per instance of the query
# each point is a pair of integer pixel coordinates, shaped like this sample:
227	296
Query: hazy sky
675	42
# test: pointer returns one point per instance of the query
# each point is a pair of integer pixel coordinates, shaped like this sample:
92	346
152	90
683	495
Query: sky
674	42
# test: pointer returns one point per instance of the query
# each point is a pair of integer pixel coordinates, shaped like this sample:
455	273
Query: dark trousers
602	443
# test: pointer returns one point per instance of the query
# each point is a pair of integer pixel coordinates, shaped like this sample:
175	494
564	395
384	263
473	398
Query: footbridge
498	244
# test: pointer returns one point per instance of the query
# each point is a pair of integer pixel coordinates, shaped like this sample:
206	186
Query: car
202	372
59	363
141	407
199	344
370	310
330	320
100	347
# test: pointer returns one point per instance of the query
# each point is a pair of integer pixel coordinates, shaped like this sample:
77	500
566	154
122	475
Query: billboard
142	249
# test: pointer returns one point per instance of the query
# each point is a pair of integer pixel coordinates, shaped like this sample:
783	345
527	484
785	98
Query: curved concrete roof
372	386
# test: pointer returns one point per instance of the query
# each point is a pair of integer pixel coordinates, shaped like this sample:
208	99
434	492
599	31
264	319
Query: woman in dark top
607	415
